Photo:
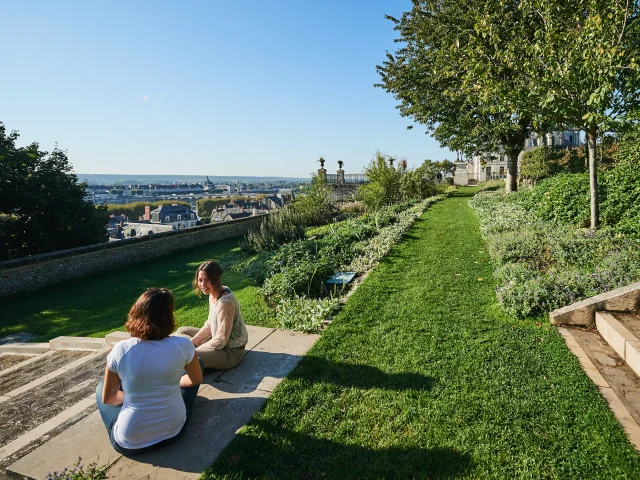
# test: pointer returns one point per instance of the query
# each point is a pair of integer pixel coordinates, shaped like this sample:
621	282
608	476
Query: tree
446	167
458	74
420	183
42	206
590	54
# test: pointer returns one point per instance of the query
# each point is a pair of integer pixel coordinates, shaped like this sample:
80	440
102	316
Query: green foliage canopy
458	74
588	68
43	208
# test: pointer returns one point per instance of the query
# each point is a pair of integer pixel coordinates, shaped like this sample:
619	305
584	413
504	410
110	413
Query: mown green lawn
97	305
422	375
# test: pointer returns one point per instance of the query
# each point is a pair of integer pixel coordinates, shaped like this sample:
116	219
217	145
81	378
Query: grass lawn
95	306
422	375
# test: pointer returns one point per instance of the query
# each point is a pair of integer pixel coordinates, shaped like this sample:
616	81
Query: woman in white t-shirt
151	380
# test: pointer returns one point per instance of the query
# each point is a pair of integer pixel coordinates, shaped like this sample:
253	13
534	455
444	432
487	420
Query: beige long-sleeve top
224	327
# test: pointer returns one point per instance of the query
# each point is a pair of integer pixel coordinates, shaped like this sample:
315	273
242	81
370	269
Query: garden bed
543	264
293	277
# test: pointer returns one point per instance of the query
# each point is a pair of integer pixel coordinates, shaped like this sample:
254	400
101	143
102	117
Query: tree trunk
512	173
593	177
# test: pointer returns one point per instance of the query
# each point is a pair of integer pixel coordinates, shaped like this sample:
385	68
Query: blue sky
211	87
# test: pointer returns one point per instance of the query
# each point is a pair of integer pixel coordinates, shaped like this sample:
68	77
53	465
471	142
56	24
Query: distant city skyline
218	88
116	179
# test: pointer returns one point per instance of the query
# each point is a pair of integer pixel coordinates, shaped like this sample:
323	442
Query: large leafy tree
458	73
42	206
589	51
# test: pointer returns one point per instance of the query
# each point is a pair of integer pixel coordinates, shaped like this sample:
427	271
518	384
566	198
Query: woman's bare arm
193	375
111	393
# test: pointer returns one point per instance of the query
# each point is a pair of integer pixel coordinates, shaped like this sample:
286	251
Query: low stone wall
31	273
623	299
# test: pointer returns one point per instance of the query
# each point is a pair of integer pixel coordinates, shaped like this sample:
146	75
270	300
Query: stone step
617	381
28	406
25	360
77	343
114	337
9	360
25	348
621	331
226	401
36	369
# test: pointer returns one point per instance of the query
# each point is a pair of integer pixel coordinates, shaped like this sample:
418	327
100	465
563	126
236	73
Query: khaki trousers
220	359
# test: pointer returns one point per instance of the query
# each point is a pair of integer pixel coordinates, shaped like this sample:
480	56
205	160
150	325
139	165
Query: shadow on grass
465	193
320	370
289	454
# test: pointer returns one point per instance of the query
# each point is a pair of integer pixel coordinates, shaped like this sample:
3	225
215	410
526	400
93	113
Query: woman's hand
111	393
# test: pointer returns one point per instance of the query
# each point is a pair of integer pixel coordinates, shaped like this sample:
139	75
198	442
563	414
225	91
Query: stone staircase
49	417
604	333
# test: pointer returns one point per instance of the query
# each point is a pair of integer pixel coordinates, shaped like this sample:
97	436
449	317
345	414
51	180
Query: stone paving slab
25	348
613	332
256	335
22	413
631	322
26	360
222	407
270	361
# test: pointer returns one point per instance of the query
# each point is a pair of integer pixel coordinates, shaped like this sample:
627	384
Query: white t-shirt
150	371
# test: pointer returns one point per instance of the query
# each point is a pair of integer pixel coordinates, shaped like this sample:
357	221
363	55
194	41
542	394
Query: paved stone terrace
49	407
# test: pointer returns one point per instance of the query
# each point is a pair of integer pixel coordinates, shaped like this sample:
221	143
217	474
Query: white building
493	165
177	216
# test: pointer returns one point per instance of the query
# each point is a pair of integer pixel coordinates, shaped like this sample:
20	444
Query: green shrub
390	184
517	246
544	162
288	224
543	264
499	212
563	198
621	206
304	314
283	226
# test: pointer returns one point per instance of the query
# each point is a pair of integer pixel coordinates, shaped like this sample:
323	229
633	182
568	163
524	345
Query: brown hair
151	317
214	272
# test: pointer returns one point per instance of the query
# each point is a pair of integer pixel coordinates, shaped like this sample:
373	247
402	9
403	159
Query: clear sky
219	88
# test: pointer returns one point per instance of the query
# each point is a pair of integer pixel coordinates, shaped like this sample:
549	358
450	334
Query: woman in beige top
221	340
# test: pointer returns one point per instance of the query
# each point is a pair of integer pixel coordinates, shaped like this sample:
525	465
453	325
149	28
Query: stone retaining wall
31	273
